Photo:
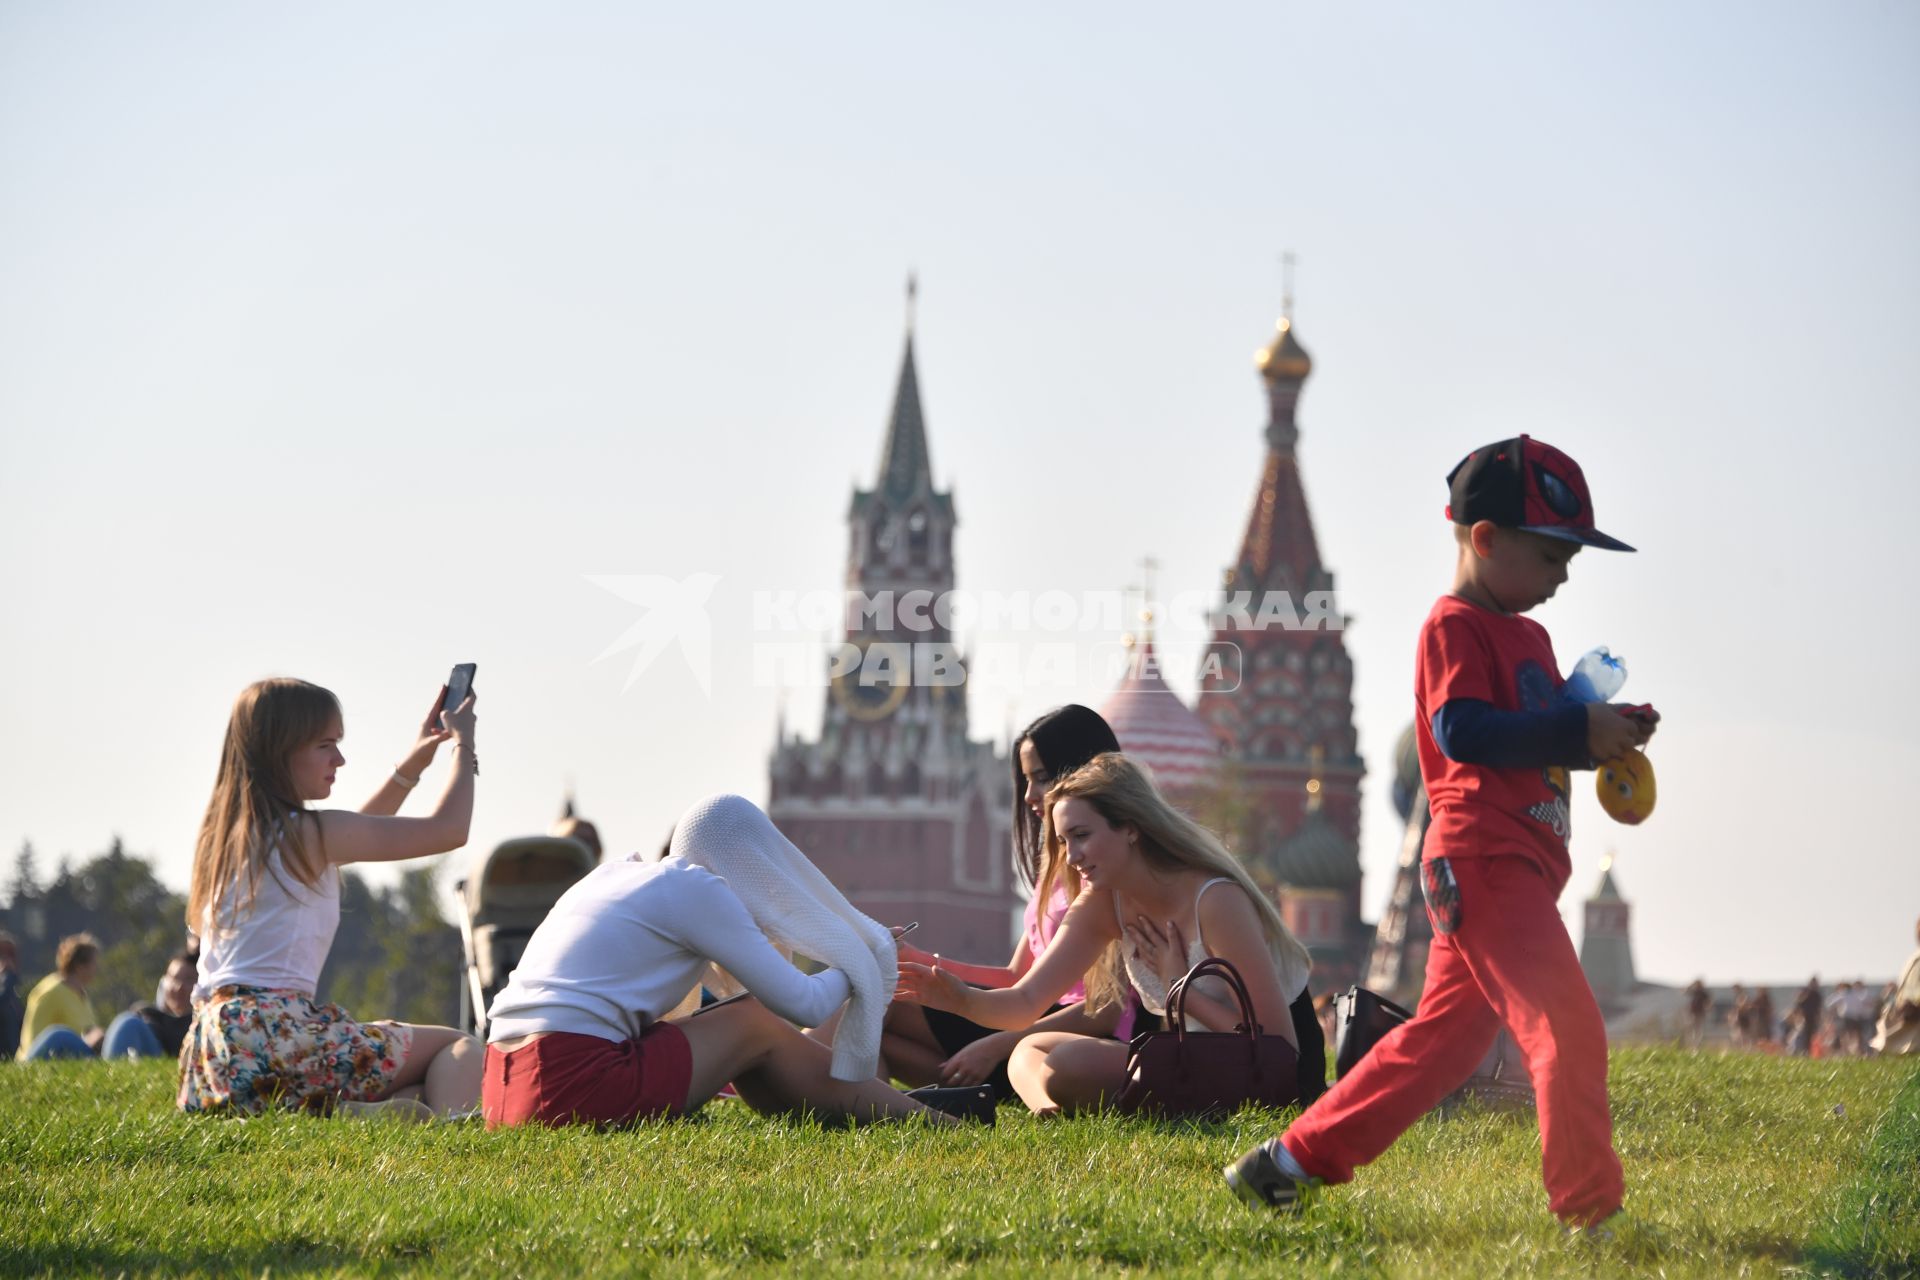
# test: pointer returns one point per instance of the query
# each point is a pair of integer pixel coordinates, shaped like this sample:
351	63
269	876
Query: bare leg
1057	1071
908	1046
824	1033
446	1065
908	1049
778	1071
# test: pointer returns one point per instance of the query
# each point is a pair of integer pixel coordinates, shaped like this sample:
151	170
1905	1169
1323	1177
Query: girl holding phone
265	900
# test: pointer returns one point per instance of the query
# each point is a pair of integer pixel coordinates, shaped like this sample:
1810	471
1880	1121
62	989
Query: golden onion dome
1284	357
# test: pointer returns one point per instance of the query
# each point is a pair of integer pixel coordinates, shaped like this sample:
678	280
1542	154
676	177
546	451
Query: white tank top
280	941
1153	992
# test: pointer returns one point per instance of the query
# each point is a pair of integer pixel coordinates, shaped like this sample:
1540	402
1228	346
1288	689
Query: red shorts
564	1078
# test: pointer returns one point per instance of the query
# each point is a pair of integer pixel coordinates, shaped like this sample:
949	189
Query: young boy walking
1495	744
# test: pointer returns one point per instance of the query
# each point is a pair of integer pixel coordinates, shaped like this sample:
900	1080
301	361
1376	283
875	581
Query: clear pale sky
351	341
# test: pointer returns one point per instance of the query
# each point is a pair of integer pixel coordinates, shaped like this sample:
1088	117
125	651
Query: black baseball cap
1524	484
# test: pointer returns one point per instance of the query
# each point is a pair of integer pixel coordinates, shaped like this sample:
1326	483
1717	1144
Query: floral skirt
250	1049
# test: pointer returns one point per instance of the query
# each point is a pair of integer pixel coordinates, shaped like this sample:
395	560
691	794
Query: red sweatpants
1510	961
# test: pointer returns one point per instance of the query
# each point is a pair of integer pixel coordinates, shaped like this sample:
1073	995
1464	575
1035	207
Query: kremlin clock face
871	692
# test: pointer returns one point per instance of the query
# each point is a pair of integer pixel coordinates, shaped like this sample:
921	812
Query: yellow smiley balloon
1626	787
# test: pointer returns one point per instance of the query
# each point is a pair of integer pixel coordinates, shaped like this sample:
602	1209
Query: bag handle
1177	997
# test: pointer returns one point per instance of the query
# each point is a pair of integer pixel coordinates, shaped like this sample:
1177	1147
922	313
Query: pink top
1041	926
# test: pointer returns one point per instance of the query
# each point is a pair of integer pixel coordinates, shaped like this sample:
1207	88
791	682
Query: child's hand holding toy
1624	779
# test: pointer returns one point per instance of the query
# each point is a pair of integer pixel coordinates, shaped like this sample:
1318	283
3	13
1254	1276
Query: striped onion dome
1154	726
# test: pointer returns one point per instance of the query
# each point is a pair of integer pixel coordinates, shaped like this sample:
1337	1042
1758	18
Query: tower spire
1286	288
1148	567
904	465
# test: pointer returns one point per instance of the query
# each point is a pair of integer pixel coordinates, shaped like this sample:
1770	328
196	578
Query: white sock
1284	1158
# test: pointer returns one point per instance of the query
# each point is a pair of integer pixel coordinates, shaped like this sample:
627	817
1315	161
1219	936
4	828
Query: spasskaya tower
894	802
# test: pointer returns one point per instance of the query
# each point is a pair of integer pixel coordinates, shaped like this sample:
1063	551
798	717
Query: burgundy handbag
1178	1072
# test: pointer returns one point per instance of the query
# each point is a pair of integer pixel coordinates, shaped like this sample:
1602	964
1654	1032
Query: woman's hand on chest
1160	946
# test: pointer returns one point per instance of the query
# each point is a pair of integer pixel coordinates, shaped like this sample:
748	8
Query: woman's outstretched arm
346	837
406	775
982	975
1085	932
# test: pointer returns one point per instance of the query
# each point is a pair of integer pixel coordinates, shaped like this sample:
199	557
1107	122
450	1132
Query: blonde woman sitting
1154	893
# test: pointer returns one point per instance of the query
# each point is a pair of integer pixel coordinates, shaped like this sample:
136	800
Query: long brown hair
1122	793
254	793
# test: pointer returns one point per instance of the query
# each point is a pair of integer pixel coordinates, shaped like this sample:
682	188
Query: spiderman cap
1524	484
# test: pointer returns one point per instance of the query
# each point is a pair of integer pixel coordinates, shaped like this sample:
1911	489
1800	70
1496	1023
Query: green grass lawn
1735	1166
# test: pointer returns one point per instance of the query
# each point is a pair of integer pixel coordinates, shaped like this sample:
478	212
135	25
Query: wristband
404	780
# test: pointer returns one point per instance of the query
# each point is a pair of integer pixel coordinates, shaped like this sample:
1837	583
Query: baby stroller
502	903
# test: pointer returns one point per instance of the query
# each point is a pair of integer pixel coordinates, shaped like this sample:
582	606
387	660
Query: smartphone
715	1004
459	685
906	929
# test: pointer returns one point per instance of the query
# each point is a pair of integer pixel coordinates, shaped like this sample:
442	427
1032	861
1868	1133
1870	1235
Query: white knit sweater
797	907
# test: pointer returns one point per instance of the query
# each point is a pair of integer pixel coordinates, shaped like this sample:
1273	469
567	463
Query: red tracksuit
1509	960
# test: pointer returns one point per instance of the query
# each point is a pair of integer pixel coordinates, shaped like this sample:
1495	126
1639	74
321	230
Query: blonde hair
1124	795
253	793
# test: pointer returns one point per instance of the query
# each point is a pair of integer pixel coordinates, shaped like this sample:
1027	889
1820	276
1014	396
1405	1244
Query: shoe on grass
1257	1178
973	1102
1626	1238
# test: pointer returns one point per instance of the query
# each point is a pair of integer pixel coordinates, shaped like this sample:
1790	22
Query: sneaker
1257	1178
393	1110
1601	1232
973	1102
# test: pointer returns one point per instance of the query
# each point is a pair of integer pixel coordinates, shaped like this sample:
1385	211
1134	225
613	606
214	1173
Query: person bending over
583	1034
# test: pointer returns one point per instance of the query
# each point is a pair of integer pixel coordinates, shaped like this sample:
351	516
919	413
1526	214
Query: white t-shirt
280	941
627	942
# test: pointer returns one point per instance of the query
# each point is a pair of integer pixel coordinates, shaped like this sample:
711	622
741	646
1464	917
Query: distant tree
395	955
359	947
424	955
63	911
22	916
26	880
